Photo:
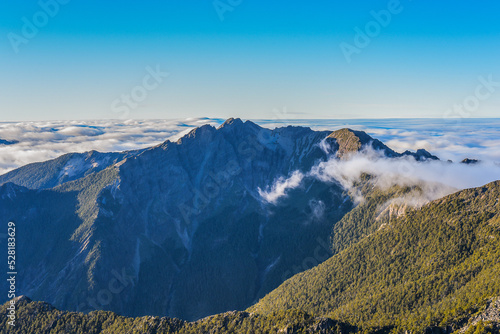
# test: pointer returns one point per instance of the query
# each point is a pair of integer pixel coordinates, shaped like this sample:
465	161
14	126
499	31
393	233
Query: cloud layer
435	178
40	141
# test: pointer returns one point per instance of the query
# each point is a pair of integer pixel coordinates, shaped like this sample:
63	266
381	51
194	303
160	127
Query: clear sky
88	59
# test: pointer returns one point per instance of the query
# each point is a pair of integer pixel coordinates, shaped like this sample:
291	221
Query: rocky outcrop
490	316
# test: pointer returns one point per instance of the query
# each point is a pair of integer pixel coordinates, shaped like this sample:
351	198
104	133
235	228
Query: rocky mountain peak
421	155
231	122
349	140
204	131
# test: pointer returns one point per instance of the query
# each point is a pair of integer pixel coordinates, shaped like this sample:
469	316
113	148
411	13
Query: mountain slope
431	267
69	167
42	318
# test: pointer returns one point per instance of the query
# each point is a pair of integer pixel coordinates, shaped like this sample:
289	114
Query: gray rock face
176	230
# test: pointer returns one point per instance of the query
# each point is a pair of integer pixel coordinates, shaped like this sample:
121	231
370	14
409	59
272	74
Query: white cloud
435	178
280	187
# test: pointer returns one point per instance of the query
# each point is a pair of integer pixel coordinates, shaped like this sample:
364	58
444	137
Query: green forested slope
371	213
432	267
42	318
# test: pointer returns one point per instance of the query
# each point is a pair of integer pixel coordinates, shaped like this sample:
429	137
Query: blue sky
261	60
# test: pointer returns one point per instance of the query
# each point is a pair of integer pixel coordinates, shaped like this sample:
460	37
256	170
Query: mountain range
183	230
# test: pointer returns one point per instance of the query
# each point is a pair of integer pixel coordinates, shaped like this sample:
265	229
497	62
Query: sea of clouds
29	142
26	142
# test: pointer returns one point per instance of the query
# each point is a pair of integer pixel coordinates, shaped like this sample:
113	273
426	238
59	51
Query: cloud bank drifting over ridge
435	178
